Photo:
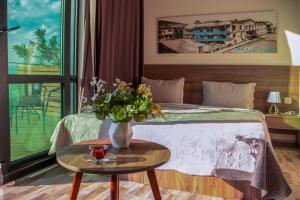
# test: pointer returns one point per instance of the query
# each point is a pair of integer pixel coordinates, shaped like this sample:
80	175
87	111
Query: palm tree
54	51
25	51
45	52
41	47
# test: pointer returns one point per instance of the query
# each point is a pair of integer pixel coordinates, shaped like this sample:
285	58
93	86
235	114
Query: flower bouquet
121	106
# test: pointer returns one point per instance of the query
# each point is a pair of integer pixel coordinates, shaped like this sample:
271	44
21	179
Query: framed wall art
249	32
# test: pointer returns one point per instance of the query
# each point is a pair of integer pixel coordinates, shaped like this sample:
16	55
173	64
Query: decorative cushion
226	94
166	91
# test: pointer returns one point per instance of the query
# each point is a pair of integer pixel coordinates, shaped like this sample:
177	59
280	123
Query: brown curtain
113	41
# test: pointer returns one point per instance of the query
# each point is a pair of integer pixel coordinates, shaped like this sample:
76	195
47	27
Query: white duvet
199	148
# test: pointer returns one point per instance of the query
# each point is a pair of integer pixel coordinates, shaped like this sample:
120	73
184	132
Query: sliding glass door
34	48
38	72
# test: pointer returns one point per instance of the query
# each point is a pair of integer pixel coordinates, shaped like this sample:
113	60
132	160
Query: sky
30	15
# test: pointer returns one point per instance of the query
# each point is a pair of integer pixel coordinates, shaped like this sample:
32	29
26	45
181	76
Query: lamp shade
274	97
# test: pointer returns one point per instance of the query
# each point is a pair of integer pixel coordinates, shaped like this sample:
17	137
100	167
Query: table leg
154	184
75	186
114	187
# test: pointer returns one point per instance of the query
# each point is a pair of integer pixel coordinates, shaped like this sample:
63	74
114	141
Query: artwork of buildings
217	36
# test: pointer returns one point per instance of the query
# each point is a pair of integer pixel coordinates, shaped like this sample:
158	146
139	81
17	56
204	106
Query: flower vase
120	134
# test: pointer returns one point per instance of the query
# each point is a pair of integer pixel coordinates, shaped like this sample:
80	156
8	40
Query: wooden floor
290	164
54	183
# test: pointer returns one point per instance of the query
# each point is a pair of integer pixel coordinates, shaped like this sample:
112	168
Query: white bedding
199	148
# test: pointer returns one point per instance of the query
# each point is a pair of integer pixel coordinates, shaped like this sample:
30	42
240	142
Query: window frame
4	114
69	25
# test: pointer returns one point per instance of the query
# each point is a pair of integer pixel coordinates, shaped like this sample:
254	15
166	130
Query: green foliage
125	104
25	51
45	52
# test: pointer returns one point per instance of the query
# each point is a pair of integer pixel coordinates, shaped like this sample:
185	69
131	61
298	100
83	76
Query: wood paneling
280	78
212	186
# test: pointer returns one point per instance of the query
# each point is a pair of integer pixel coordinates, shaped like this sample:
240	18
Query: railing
209	33
208	39
33	69
54	107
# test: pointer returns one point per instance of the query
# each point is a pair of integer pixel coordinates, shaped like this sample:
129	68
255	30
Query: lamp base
273	109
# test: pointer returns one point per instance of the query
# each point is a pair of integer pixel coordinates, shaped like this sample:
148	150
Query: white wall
299	13
287	11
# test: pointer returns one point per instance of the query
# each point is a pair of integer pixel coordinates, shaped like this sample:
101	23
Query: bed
223	152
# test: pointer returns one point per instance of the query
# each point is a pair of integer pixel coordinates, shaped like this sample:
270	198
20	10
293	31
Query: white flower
101	81
94	97
117	80
87	108
93	82
99	87
85	100
99	84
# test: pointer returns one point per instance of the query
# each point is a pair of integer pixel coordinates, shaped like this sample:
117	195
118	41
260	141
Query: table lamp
294	45
274	98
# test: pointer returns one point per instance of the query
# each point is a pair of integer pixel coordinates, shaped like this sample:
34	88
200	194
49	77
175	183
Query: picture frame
240	32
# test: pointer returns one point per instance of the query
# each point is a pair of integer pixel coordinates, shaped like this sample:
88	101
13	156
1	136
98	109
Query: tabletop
140	156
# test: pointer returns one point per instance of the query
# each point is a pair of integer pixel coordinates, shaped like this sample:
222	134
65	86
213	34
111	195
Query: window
36	47
39	74
35	109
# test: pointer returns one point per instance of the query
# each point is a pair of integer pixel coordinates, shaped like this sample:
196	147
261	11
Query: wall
287	12
299	13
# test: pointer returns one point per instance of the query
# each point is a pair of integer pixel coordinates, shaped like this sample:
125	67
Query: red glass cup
98	151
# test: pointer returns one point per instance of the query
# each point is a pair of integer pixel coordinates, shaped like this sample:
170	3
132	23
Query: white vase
120	134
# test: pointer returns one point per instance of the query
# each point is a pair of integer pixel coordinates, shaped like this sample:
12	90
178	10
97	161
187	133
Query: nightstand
284	129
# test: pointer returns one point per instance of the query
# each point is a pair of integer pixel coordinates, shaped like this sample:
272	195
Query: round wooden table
140	156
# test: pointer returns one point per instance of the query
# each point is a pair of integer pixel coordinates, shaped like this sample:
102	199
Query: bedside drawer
283	122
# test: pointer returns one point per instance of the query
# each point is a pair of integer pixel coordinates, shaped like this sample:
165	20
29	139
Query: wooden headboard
280	78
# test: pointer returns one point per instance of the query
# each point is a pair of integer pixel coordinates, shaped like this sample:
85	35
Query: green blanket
225	116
